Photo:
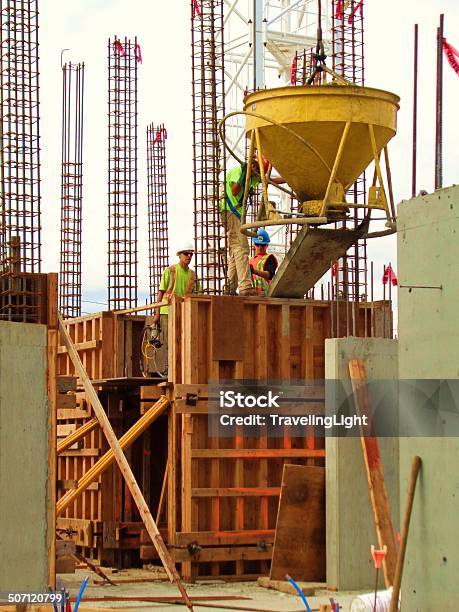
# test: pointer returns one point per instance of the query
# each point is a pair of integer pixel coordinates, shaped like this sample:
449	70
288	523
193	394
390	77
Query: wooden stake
124	466
162	497
404	539
374	471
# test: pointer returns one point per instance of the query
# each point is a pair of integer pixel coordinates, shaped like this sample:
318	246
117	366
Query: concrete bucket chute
320	139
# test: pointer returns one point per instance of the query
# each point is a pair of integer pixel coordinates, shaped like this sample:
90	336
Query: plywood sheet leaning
299	548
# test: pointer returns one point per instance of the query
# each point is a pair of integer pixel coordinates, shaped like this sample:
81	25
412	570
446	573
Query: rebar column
348	60
208	157
158	240
20	222
123	59
71	190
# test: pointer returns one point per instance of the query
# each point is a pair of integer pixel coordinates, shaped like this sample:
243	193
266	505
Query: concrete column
428	255
350	520
23	457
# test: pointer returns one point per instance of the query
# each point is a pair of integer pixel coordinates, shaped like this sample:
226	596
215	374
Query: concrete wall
350	520
428	254
23	457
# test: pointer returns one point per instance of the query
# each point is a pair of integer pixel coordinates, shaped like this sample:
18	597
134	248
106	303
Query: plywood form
278	339
223	493
212	337
300	528
108	345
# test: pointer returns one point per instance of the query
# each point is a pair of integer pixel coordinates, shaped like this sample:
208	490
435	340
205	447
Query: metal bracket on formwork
411	287
191	399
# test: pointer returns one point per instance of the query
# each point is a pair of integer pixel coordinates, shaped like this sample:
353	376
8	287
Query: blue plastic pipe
299	591
80	594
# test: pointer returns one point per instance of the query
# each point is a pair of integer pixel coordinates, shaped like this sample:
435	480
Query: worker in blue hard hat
263	265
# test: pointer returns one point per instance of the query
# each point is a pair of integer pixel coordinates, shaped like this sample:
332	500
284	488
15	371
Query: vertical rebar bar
439	108
348	57
415	111
71	189
20	219
123	59
158	241
208	156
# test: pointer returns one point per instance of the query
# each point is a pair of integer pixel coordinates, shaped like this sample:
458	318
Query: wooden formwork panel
93	336
218	337
80	518
223	493
108	345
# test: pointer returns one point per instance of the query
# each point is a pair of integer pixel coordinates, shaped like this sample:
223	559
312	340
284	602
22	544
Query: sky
163	30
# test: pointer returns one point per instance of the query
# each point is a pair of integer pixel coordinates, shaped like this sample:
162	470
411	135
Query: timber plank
226	314
235	491
227	553
299	545
215	538
251	453
374	471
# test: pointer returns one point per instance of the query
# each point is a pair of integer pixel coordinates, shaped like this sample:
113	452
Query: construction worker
178	279
239	276
263	265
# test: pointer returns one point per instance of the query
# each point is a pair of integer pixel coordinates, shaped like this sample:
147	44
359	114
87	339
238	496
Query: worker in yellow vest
263	265
178	279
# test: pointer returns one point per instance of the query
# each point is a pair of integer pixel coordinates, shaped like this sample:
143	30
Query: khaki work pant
238	255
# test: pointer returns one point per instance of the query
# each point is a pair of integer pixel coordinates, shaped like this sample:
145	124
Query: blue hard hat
262	237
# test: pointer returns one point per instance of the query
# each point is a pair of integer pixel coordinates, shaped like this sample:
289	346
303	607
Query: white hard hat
185	246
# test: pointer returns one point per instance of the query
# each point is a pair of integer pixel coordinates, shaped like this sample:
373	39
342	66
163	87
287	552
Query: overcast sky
163	30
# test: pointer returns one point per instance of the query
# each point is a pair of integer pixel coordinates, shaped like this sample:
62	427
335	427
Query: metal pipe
439	109
415	110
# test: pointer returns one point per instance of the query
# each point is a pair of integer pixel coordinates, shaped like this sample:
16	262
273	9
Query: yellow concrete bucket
321	137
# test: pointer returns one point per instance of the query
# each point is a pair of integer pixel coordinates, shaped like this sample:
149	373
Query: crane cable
320	55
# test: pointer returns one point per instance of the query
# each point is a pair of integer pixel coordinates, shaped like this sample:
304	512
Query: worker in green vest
239	276
263	265
178	279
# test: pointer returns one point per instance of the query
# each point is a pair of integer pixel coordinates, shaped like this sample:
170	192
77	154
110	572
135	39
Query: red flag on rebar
293	69
138	53
339	13
452	55
117	46
196	9
161	134
335	268
359	7
389	276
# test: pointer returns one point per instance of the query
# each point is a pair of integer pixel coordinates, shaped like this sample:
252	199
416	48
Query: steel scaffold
20	221
123	59
208	158
158	240
71	190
